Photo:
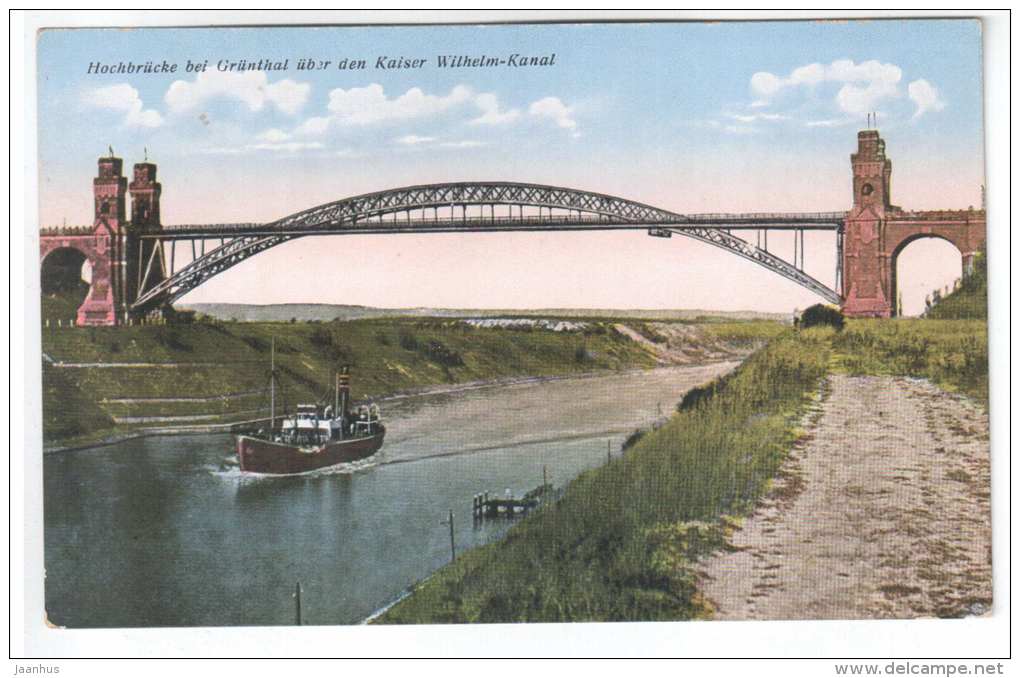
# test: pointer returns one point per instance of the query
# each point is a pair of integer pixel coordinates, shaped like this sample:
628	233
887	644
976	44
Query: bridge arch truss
470	207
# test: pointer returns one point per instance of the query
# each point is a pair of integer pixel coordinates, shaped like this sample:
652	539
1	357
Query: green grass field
949	346
951	353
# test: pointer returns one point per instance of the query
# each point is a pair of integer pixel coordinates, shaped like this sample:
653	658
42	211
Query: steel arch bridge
469	207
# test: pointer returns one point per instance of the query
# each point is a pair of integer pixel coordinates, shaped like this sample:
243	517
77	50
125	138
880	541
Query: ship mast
272	384
336	395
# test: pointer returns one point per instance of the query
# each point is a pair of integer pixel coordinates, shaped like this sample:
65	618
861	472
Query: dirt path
883	516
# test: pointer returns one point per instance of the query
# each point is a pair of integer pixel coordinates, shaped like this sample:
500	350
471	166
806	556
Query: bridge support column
111	246
866	275
877	231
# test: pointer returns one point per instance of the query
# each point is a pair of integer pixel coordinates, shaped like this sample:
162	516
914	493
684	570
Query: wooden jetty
483	506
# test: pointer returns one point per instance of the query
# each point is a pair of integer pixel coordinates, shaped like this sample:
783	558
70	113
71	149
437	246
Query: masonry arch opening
65	280
924	269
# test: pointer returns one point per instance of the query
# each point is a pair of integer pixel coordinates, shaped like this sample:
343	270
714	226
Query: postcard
513	323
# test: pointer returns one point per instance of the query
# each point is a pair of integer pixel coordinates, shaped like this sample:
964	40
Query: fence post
453	547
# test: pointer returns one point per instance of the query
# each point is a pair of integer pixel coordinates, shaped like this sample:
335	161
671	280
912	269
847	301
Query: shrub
443	355
632	439
407	340
822	314
174	317
257	343
695	396
321	337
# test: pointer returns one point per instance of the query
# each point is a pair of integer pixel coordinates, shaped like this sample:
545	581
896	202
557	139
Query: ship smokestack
343	391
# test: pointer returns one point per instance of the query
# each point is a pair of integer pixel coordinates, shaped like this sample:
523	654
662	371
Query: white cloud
434	142
865	84
811	74
555	110
414	139
371	104
466	143
491	115
251	88
926	96
366	105
289	146
832	122
124	98
765	84
753	117
313	126
738	129
284	147
274	136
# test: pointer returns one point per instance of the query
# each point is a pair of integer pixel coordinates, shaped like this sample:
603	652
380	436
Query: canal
155	532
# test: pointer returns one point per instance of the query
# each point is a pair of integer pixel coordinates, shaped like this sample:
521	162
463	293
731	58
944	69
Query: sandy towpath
883	516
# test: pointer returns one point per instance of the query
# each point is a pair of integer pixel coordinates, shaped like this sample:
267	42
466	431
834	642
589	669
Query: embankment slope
103	380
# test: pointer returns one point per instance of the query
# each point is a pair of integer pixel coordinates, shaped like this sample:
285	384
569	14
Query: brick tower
142	266
865	292
106	246
118	257
877	231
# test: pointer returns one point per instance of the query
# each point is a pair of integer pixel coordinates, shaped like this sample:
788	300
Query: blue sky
687	116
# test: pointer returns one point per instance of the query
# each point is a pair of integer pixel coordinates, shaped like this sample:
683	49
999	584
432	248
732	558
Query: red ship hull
256	455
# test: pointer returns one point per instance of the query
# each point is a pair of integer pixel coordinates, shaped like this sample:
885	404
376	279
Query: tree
822	314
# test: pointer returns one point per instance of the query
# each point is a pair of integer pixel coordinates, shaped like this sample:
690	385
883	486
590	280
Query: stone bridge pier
109	246
876	232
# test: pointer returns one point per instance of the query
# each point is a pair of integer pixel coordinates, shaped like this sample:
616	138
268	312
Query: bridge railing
403	219
937	215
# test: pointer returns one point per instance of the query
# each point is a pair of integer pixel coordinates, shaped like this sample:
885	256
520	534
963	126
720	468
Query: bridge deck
816	221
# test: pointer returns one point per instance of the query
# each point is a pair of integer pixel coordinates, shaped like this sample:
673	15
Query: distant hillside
286	312
970	300
326	312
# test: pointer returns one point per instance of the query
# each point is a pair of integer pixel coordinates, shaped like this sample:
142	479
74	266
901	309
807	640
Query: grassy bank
227	364
746	333
221	368
970	300
621	542
949	346
951	353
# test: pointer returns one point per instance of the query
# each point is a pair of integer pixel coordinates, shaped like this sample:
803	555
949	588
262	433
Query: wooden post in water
609	451
453	547
297	603
272	386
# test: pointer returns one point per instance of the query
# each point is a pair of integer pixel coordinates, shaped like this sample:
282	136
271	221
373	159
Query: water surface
153	532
